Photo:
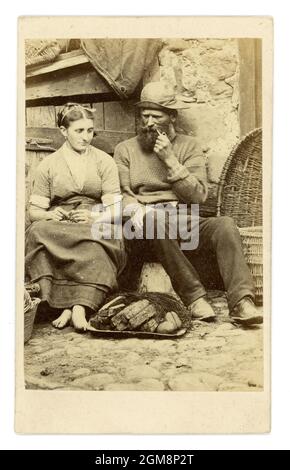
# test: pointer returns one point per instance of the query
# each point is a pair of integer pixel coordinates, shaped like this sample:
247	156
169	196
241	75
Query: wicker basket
240	186
252	241
240	197
40	51
30	308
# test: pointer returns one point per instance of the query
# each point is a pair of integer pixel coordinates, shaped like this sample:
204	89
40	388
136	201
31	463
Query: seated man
160	165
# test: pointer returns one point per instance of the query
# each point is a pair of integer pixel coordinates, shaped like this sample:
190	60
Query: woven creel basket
240	197
41	51
240	185
252	242
30	308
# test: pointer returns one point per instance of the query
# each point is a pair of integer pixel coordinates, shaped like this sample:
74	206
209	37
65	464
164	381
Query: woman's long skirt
70	266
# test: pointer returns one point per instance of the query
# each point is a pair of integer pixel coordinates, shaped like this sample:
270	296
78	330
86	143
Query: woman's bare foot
79	318
63	320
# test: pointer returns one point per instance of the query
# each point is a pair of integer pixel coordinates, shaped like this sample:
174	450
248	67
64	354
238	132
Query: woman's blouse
66	173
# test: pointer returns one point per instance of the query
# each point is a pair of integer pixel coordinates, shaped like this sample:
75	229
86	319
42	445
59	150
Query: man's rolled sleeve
179	172
189	178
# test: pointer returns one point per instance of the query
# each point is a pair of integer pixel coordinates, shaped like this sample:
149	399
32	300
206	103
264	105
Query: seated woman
74	268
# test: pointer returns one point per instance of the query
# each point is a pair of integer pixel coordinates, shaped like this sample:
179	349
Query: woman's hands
82	216
79	216
56	214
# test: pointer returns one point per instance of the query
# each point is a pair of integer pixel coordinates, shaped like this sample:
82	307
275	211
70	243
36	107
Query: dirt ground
219	356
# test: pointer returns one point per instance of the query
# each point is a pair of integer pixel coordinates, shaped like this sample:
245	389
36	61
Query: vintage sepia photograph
142	174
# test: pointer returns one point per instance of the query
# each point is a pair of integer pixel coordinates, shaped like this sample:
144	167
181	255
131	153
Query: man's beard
147	136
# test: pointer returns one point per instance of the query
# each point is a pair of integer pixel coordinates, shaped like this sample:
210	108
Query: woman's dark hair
72	112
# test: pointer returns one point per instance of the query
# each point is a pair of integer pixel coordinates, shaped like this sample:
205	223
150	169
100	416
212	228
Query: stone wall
205	73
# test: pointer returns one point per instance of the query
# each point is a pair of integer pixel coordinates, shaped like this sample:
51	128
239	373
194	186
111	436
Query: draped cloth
122	62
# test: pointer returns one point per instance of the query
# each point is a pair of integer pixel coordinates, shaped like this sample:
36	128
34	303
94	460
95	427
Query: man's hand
137	218
163	148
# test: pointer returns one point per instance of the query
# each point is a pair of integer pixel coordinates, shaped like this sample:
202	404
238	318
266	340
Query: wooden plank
35	159
131	310
142	317
67	55
78	80
119	322
28	156
105	140
98	115
258	81
52	134
120	115
250	84
32	160
247	85
40	116
64	61
149	326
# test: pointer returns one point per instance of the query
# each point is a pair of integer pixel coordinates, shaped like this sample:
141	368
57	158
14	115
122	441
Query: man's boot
246	313
200	309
